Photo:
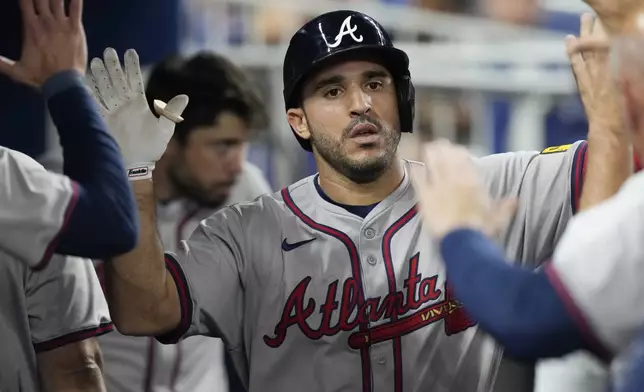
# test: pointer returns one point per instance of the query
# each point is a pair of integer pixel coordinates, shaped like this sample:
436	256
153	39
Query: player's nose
360	102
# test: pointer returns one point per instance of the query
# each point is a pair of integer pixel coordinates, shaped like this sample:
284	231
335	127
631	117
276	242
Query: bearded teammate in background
90	210
203	169
355	297
49	318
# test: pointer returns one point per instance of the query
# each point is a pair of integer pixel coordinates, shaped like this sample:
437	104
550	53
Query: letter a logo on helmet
345	29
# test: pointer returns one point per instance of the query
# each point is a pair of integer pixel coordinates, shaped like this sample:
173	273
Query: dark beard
194	193
360	172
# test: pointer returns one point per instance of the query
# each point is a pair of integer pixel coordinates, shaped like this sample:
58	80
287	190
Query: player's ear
297	120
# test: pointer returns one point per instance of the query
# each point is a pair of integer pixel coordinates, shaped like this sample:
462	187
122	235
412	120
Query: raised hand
53	41
590	60
120	93
451	193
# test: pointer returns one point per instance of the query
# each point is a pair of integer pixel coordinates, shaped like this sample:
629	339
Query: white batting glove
141	136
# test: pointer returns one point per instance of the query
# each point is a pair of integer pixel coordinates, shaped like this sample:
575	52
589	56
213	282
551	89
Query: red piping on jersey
577	177
576	313
185	300
355	268
54	241
73	337
391	280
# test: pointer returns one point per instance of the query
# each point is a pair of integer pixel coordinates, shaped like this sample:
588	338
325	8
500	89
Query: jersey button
369	233
381	360
371	260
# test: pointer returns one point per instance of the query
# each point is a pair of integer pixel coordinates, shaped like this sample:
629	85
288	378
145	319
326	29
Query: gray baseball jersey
307	295
35	206
43	310
137	364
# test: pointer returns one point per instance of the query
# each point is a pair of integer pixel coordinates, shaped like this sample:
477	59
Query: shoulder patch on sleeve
555	149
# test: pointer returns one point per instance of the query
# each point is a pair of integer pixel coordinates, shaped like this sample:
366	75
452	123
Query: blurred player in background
49	318
203	169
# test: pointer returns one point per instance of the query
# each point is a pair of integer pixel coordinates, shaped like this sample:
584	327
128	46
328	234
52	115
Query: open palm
53	41
142	137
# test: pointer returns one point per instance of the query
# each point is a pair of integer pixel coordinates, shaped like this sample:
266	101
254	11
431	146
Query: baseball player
49	318
89	211
589	296
202	169
330	284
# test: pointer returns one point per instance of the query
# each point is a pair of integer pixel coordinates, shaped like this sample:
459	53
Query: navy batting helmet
339	34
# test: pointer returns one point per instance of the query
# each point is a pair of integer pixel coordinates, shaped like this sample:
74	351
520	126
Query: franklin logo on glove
137	172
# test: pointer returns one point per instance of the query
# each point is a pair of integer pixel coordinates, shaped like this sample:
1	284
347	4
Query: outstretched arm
91	213
142	295
520	308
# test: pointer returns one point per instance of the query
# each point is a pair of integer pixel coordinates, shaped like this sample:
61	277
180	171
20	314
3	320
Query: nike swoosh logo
287	247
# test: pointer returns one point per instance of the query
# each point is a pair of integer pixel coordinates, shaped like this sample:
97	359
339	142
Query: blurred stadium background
491	74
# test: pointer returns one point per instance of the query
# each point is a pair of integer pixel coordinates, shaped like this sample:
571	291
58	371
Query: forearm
76	367
103	222
519	308
86	379
609	163
141	294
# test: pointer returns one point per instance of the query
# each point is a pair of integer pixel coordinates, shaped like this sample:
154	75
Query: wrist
140	171
61	81
608	135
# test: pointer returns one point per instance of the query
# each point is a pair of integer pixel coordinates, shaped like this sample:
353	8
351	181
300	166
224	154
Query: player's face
206	167
350	115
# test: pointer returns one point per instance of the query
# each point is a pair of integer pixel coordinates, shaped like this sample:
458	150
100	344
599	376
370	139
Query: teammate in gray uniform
49	318
203	169
331	284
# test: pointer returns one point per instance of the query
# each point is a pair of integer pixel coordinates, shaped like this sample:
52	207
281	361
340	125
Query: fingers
44	12
586	24
113	65
447	162
598	29
58	9
76	12
91	84
587	21
429	155
133	72
30	20
7	67
594	44
103	83
159	108
579	70
172	111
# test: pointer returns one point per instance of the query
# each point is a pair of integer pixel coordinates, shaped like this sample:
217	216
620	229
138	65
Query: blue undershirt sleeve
104	221
518	307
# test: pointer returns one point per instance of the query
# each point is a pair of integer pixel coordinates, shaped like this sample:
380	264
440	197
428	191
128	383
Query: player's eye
332	93
374	85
